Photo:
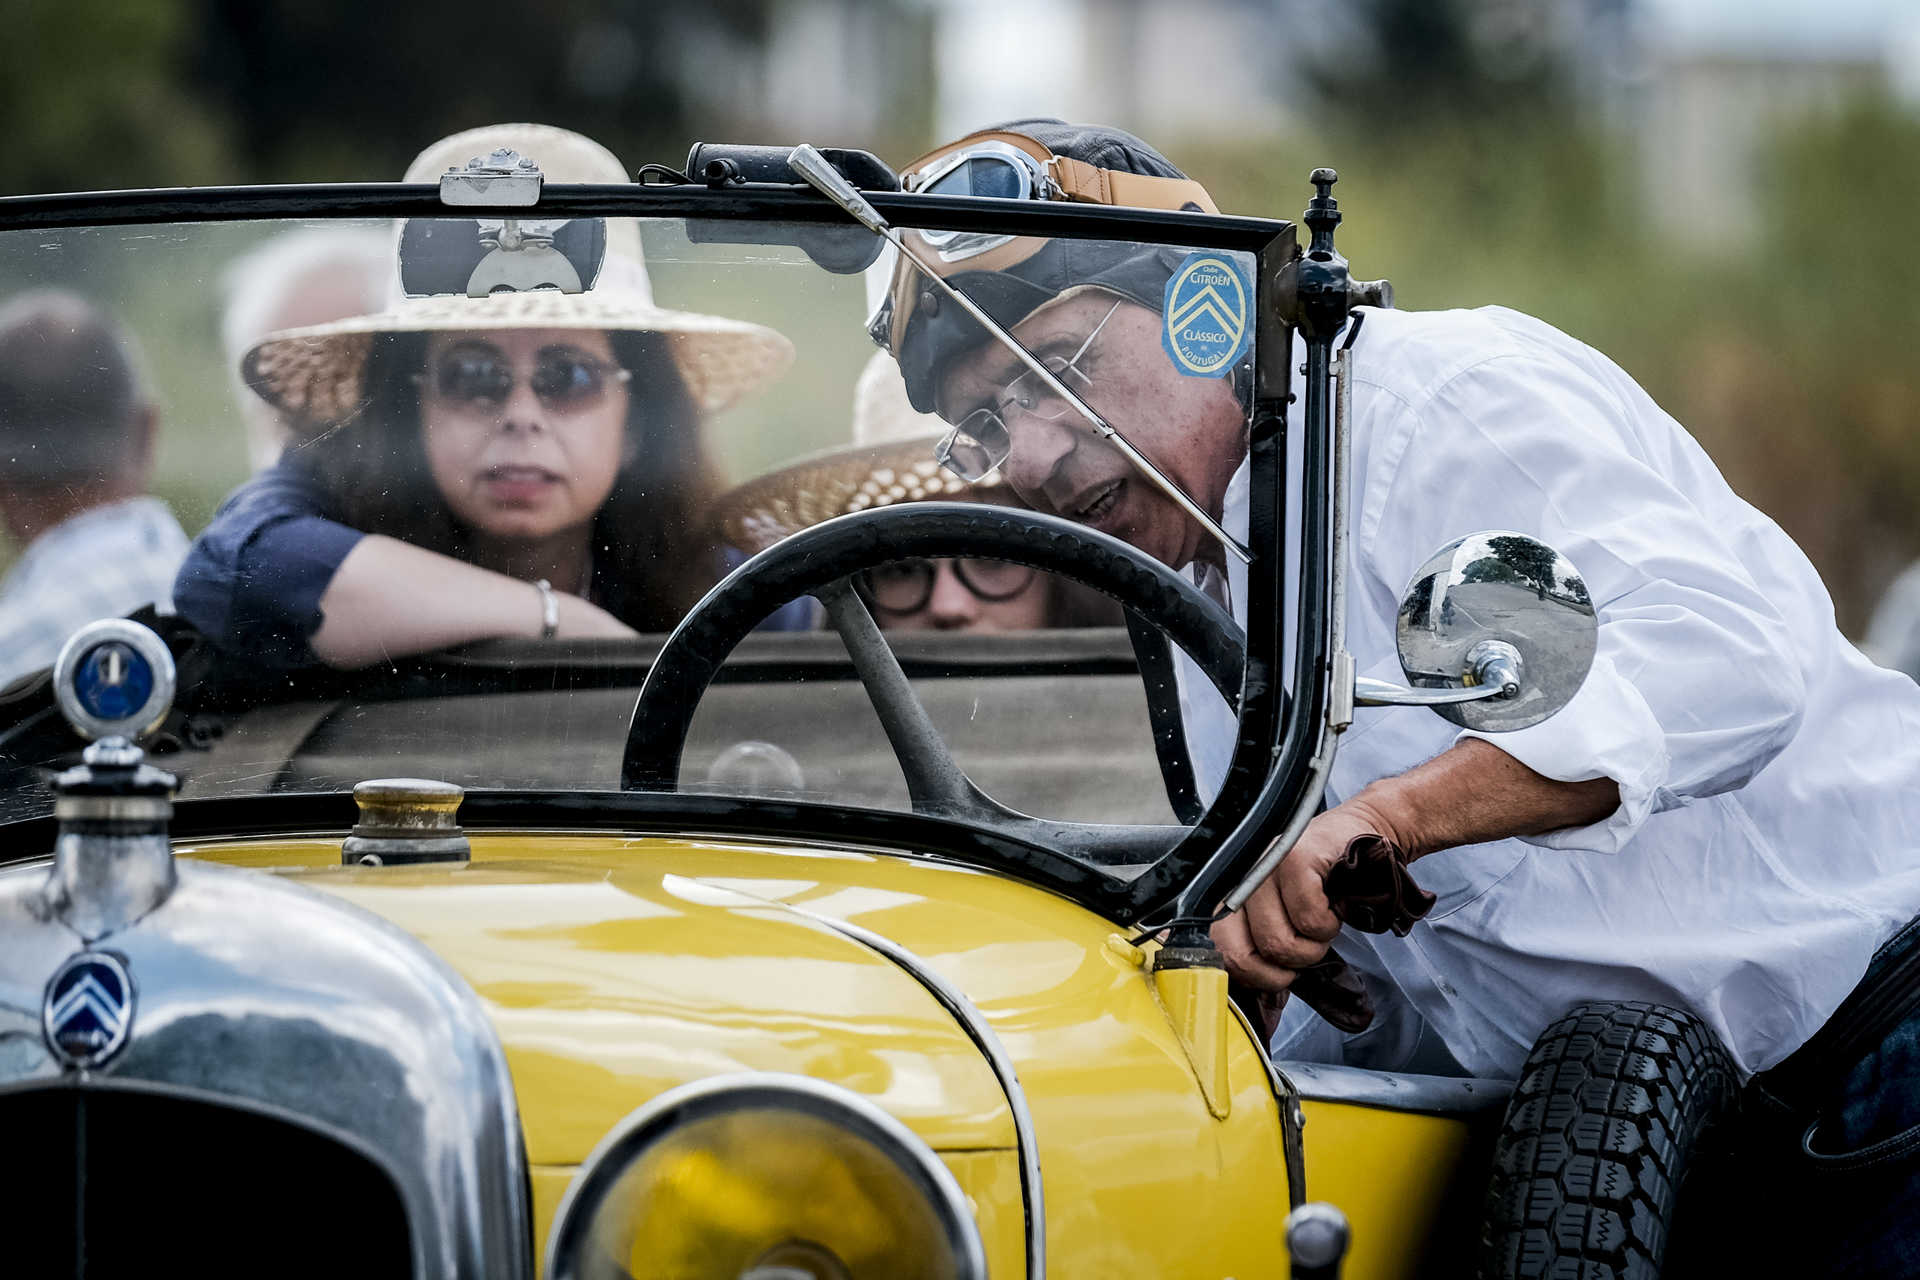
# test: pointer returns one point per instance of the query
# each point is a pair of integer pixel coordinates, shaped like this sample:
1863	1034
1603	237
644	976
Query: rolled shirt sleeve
253	579
1694	687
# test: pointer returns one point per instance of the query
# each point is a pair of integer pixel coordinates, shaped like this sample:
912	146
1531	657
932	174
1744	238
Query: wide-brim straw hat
317	375
890	460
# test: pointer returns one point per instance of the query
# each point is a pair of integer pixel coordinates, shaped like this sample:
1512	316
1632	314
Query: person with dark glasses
512	448
888	461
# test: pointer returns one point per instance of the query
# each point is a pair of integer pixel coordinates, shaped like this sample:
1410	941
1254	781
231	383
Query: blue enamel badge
113	681
1208	316
88	1009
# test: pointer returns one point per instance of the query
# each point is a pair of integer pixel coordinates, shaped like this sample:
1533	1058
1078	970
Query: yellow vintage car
766	944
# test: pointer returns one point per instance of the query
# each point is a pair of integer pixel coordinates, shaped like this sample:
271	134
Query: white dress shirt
103	563
1768	833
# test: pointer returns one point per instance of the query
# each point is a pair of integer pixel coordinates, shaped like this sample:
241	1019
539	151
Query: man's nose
950	606
1036	448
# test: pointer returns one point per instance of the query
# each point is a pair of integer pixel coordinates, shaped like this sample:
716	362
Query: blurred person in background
77	432
890	460
526	463
1725	817
1893	633
306	277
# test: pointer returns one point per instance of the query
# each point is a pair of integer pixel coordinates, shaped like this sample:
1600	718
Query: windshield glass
405	530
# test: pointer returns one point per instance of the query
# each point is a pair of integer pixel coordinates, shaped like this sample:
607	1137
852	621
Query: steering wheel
818	561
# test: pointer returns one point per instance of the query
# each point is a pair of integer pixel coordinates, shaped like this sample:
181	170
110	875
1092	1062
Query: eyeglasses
982	441
906	586
564	380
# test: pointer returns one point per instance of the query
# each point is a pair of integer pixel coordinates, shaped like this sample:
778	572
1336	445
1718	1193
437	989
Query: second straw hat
889	460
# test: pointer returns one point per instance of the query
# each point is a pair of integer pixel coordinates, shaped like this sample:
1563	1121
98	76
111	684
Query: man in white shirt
1726	818
76	449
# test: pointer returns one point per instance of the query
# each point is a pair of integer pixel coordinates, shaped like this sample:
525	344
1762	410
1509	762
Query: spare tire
1598	1134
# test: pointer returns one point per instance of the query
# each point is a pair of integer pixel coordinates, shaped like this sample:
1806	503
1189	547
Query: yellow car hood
616	967
621	971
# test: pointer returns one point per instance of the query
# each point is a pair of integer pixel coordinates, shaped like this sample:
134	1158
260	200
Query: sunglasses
564	380
905	586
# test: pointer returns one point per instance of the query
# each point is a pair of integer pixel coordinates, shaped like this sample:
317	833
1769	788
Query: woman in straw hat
891	460
525	463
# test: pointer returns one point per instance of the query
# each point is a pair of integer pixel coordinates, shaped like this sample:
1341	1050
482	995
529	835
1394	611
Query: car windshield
443	488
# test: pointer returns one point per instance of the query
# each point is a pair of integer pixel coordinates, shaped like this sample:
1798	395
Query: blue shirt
253	579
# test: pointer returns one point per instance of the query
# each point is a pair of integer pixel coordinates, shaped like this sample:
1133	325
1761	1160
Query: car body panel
595	954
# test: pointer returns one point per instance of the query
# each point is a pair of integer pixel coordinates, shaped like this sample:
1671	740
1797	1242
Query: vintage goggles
483	256
993	169
1002	164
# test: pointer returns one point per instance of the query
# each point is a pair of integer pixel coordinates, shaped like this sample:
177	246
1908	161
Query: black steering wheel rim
826	553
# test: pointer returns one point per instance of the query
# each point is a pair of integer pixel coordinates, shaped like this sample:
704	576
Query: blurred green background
1719	196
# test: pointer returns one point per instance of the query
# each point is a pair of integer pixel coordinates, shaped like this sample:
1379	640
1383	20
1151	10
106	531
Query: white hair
257	288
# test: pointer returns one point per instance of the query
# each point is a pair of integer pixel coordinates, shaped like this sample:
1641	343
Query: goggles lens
998	177
565	381
992	170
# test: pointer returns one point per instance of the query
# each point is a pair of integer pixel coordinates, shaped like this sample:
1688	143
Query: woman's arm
389	599
276	578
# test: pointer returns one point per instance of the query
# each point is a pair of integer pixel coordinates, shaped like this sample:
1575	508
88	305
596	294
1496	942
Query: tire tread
1594	1147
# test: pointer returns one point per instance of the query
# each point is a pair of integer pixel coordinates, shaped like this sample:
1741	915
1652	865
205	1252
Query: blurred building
1201	68
837	72
1698	86
1714	80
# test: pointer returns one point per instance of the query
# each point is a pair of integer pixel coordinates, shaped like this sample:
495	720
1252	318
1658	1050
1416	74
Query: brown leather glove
1333	989
1371	889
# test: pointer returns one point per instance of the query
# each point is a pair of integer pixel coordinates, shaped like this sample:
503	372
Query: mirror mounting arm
1493	670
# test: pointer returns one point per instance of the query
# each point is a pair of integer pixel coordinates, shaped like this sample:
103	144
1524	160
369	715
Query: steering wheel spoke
935	782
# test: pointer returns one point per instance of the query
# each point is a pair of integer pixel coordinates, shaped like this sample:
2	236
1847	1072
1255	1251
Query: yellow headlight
764	1177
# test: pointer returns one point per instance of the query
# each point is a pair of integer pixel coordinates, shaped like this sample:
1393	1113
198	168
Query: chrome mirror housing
1496	632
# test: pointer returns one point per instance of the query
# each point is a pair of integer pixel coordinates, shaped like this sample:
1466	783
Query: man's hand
1470	793
1288	923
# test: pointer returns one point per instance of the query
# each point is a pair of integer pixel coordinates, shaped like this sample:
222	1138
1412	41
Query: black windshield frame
1271	769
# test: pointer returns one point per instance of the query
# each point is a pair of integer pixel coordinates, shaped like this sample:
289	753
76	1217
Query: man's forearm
1473	793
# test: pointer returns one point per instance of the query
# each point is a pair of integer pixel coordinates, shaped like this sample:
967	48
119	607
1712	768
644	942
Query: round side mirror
1499	606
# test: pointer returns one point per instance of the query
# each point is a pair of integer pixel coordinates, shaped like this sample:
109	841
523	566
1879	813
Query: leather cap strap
1083	182
1080	181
